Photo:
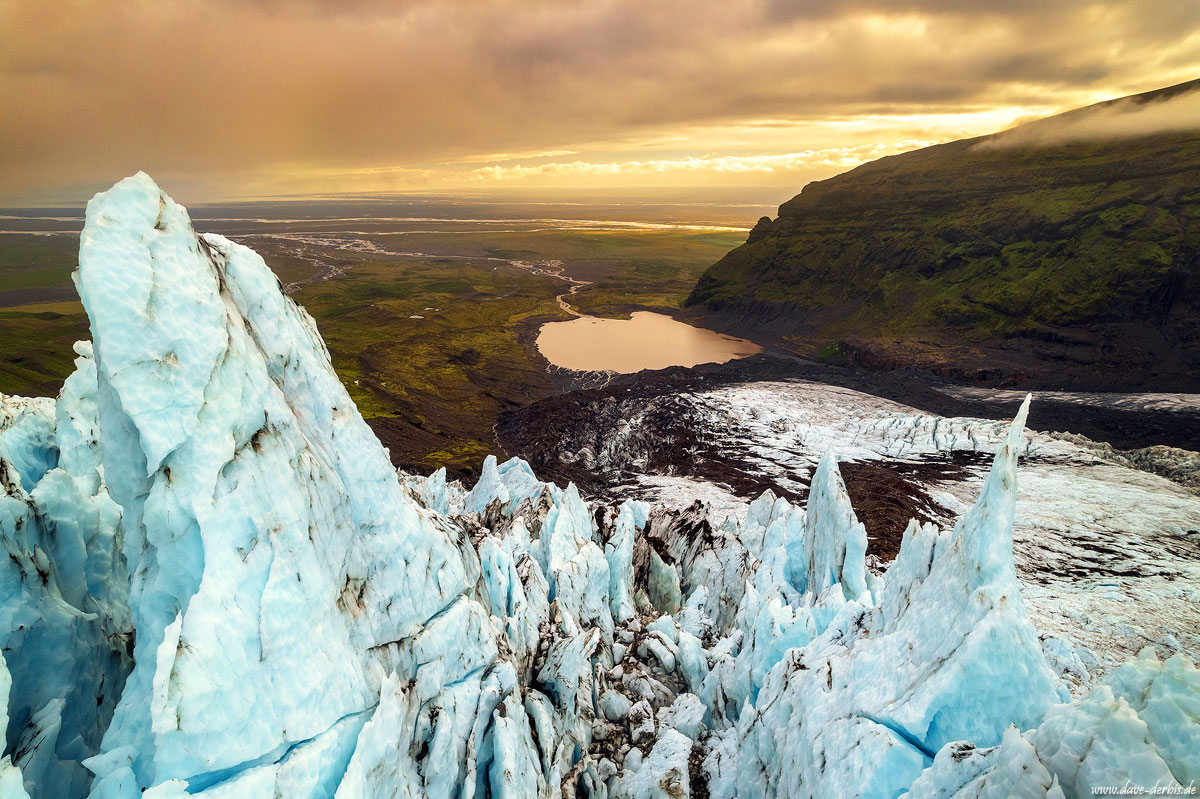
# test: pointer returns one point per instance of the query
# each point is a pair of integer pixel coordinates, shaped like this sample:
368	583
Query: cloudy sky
228	98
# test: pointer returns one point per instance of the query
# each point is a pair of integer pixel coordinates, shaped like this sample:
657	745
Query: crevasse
217	586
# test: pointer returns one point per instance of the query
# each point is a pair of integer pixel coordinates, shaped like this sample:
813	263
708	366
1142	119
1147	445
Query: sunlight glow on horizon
720	155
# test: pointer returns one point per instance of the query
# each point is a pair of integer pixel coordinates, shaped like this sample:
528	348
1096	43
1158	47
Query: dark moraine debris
887	494
574	438
570	437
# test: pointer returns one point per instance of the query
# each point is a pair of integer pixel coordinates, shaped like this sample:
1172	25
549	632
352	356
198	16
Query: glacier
1104	545
218	586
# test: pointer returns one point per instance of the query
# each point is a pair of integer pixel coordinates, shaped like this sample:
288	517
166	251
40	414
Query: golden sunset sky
222	99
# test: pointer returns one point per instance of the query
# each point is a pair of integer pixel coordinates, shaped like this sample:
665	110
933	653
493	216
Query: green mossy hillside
1090	249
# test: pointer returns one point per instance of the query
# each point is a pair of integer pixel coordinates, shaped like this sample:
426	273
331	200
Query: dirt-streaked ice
1108	554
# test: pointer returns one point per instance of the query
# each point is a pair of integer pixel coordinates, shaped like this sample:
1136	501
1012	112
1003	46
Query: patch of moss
35	350
833	353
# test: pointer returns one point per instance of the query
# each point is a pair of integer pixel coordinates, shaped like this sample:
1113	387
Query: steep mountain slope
1047	252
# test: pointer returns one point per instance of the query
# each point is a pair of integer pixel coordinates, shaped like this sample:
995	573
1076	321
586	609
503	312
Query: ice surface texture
217	586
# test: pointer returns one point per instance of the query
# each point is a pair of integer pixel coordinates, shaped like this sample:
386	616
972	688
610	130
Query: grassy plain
431	349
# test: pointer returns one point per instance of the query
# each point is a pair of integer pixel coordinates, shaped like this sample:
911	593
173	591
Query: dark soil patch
887	494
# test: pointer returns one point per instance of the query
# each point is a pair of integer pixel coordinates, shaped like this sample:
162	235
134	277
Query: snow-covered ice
218	587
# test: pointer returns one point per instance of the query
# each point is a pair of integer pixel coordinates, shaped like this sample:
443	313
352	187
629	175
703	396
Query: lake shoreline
647	340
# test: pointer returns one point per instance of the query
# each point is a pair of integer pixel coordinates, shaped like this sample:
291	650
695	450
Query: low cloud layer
1120	119
221	98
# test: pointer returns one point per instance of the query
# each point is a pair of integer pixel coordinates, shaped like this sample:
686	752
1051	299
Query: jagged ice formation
217	586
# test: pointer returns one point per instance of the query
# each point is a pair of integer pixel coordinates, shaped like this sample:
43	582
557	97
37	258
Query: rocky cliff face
1071	262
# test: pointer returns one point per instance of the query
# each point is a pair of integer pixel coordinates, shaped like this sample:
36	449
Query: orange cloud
218	98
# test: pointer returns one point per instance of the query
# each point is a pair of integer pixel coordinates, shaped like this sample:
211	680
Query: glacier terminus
217	585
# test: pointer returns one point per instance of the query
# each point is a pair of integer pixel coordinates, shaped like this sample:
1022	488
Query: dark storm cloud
220	93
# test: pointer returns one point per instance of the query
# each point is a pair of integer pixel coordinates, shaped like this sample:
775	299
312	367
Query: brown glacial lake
645	341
